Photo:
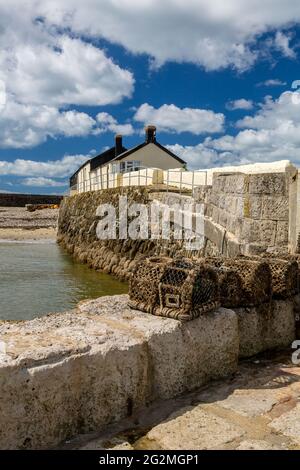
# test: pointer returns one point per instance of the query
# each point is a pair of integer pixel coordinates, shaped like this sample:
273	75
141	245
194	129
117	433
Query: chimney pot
150	134
118	145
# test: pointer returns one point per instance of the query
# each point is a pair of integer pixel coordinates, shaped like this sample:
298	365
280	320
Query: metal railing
173	180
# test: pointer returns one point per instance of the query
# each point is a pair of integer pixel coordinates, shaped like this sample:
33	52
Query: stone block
289	424
78	371
275	208
236	183
268	183
252	207
195	429
258	231
268	326
191	346
282	234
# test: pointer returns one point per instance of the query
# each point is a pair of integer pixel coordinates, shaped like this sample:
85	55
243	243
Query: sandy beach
17	224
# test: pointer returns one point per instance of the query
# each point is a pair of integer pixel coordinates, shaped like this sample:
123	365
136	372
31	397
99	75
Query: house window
115	168
133	165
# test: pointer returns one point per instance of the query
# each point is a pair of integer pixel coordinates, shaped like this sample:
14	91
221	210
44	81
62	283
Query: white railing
169	180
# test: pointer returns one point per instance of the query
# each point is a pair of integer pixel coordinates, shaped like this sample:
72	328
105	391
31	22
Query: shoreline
8	235
19	225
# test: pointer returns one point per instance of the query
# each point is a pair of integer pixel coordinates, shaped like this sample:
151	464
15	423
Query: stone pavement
258	408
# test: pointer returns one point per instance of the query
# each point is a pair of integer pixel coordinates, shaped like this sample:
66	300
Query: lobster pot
144	281
230	287
254	277
284	272
187	290
284	277
176	289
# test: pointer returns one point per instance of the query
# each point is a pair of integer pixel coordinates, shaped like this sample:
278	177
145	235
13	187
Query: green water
39	278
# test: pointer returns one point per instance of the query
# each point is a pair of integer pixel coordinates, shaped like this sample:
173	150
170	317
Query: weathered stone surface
268	183
266	327
250	402
203	349
194	429
275	207
78	371
289	424
258	445
258	231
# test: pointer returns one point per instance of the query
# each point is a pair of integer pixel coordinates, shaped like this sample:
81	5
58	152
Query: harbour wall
20	200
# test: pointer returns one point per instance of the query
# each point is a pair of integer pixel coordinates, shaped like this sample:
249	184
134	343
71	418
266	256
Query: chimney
118	145
150	134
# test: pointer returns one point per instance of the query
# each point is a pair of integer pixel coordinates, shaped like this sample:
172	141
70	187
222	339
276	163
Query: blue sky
215	79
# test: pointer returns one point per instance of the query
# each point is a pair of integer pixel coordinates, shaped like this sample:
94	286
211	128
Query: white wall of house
152	156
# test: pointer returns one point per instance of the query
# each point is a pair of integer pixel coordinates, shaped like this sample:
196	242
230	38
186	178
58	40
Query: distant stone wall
20	200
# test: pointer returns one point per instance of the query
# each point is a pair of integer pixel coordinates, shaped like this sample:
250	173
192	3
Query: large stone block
268	326
258	231
268	183
76	372
252	207
275	207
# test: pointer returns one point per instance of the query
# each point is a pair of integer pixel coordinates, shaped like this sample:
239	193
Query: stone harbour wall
77	233
20	200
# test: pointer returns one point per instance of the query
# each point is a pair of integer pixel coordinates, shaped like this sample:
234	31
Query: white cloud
214	34
272	82
50	169
282	42
45	72
170	118
41	181
273	133
24	126
198	156
109	123
240	104
65	72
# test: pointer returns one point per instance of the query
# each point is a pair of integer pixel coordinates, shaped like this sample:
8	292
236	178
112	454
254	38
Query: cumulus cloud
44	72
170	118
61	168
239	104
214	34
24	126
65	72
109	123
273	133
43	182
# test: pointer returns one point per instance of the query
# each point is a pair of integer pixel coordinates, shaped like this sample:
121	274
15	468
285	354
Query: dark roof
138	147
97	161
104	157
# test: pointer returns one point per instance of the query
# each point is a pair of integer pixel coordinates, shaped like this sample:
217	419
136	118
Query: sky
220	80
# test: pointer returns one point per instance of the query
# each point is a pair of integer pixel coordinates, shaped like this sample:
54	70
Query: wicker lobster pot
254	283
284	277
285	274
176	289
144	281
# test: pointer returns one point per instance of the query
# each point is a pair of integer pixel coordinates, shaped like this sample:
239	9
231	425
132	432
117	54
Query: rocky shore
17	224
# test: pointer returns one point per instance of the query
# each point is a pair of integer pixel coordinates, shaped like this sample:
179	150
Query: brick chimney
150	134
118	145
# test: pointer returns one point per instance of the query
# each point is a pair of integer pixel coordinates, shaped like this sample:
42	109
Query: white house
100	171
